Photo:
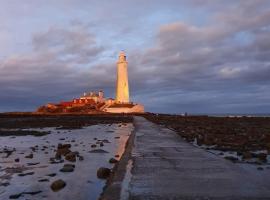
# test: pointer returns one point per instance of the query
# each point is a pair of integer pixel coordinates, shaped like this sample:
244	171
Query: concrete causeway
167	167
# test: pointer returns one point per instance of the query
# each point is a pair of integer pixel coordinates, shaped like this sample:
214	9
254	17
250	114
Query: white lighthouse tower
121	104
122	89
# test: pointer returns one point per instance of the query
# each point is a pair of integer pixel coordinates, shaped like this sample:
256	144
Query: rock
5	184
51	175
43	180
26	174
81	158
105	141
67	168
93	146
58	156
58	185
246	155
101	144
98	151
30	156
231	158
103	173
17	160
262	157
113	160
63	149
71	157
32	164
16	196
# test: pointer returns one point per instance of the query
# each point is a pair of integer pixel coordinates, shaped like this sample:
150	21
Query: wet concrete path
167	167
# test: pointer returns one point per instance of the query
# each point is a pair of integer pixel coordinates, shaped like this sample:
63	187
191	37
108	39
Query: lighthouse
122	88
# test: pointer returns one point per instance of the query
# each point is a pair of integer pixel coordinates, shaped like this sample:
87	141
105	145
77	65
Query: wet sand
28	166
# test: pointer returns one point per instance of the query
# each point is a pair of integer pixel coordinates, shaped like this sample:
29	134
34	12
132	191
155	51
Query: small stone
17	160
30	156
43	180
98	151
71	157
58	185
67	168
26	174
103	173
93	146
105	141
51	175
101	144
81	158
113	160
231	158
32	164
262	157
246	155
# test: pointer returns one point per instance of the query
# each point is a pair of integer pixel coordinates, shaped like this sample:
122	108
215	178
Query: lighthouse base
124	108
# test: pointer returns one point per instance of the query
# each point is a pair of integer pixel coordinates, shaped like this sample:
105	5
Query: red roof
66	103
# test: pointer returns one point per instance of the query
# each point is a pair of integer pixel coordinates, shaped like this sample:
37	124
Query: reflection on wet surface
31	177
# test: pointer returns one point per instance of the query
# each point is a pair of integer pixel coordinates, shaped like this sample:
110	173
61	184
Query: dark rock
32	164
26	174
43	180
5	184
231	158
113	160
57	156
58	185
93	146
262	157
16	196
30	156
103	173
51	175
68	168
98	151
101	144
81	158
246	155
17	160
106	141
71	157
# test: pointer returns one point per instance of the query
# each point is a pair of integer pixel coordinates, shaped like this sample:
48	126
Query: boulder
58	185
103	173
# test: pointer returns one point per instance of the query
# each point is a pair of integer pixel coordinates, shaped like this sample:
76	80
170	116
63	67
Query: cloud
187	55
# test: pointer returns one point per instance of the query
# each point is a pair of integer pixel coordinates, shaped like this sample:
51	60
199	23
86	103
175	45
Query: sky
195	56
